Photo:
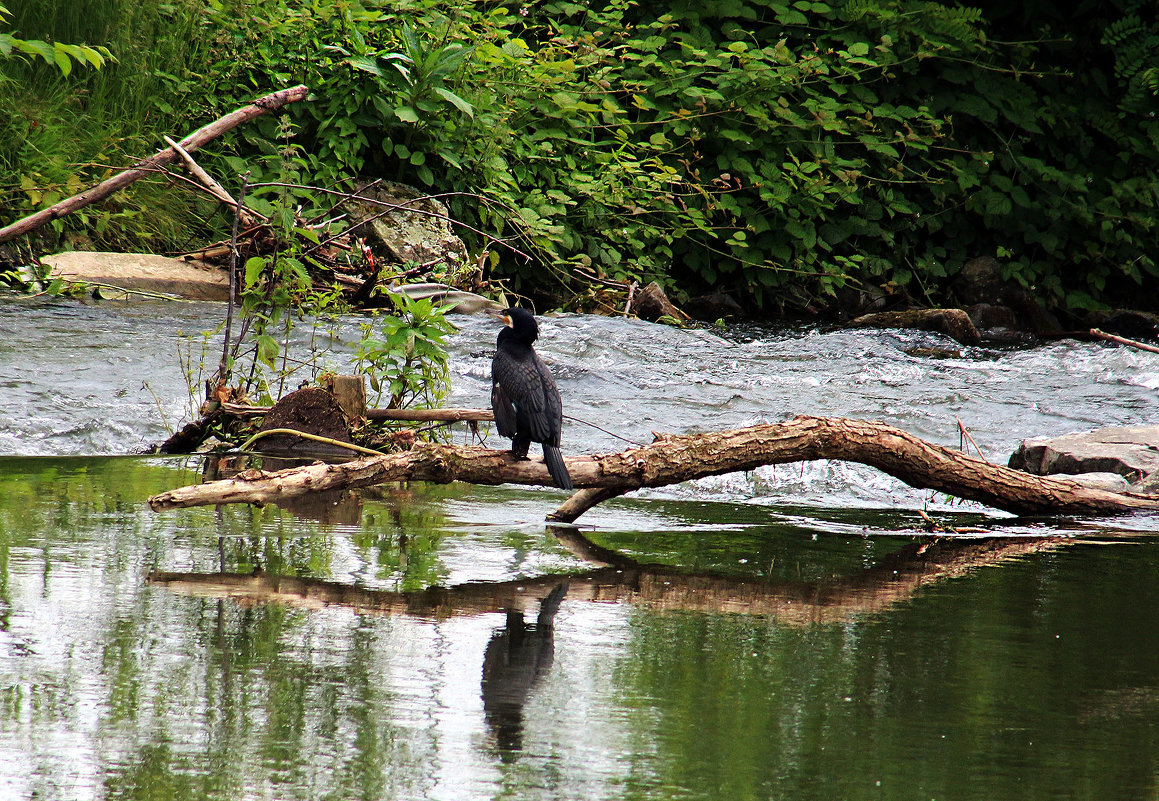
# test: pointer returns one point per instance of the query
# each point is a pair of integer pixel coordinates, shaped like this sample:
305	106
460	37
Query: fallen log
676	459
264	105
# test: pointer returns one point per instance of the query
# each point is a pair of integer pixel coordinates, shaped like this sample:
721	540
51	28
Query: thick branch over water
675	459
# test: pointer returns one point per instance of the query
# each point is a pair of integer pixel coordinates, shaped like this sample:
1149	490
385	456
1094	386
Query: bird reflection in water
518	656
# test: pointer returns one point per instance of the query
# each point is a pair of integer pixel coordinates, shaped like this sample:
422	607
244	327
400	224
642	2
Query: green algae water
384	647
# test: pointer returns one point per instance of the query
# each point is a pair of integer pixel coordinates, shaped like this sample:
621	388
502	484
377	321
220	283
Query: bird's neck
510	338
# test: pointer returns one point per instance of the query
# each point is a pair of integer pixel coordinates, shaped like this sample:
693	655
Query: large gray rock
1131	452
404	224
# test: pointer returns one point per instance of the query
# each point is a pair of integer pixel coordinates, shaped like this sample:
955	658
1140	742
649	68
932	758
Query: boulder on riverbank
1131	452
142	272
404	225
997	302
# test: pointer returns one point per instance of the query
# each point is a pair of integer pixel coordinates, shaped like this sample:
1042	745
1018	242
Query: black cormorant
524	397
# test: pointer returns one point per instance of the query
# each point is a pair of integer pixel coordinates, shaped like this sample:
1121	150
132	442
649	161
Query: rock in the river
141	271
980	284
1125	323
652	304
714	306
1112	482
989	316
954	323
1130	452
461	302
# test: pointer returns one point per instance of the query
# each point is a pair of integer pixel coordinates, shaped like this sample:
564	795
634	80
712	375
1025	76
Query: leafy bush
783	149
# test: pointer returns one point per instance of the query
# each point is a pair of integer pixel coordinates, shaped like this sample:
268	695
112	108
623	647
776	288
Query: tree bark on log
271	102
676	459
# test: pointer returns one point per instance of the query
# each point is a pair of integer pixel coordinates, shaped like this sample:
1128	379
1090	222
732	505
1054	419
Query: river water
793	633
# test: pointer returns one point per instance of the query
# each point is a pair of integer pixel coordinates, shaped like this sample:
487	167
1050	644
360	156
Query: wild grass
61	133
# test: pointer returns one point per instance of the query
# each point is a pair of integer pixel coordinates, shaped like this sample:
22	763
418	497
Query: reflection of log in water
895	579
518	656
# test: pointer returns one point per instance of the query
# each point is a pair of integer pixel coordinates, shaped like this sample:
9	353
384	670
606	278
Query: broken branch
271	102
1131	343
247	216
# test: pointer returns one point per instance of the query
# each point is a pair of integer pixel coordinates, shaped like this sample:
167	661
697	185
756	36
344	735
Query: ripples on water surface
882	666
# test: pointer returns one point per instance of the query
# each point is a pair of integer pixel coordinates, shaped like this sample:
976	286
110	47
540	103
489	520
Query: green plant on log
404	355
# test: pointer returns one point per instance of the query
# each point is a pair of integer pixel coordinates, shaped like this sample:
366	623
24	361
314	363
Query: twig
248	216
312	437
964	437
389	207
598	428
1124	341
223	368
632	287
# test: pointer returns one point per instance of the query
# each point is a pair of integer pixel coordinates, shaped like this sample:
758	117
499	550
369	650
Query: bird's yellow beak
502	315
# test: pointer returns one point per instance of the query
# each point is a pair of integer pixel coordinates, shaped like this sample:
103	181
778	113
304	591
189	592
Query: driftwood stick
1131	343
432	415
264	105
247	216
675	459
413	415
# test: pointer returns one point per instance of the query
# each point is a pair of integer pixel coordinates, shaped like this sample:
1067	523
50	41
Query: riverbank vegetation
786	152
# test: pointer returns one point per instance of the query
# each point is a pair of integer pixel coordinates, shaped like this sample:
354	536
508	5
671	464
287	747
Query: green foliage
405	360
60	134
37	279
781	149
58	54
1135	45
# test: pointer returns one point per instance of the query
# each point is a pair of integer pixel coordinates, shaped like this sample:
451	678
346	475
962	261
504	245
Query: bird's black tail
554	460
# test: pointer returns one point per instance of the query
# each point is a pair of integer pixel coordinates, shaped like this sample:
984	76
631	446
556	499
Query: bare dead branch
264	105
1124	341
247	216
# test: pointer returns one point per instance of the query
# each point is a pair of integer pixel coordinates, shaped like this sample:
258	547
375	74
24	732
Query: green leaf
267	352
458	102
253	268
61	56
365	64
